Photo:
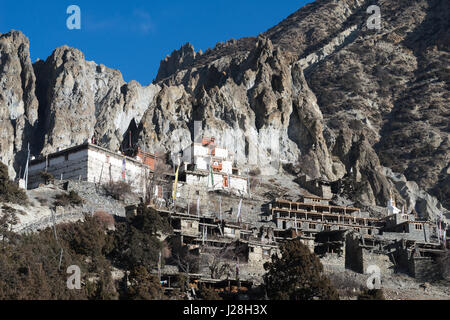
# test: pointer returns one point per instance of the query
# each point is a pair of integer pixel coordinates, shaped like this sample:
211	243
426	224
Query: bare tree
158	177
7	220
186	261
220	260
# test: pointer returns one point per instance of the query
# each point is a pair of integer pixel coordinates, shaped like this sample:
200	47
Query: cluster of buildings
208	167
399	240
212	167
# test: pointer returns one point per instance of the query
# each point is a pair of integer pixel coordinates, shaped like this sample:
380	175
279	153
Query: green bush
29	265
297	275
9	191
144	286
136	242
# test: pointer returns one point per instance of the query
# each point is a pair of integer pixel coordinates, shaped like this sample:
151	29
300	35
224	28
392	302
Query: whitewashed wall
199	150
103	169
92	165
202	163
227	167
236	183
221	153
239	183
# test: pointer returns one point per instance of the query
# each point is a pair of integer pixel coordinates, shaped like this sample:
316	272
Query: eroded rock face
81	100
318	90
179	59
18	103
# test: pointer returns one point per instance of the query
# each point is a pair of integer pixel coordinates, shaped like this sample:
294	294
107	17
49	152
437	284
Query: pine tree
297	275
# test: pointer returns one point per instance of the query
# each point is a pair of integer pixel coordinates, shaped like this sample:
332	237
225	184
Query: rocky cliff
319	90
18	102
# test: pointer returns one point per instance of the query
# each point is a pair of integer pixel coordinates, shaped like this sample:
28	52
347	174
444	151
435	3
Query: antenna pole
26	168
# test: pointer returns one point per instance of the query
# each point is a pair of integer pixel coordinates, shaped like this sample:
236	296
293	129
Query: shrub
255	172
47	177
8	218
182	282
9	191
144	286
30	264
136	241
42	201
210	294
87	238
118	190
64	200
372	295
105	219
297	275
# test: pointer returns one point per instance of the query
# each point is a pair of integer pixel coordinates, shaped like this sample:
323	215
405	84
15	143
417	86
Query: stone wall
353	253
73	166
425	268
333	262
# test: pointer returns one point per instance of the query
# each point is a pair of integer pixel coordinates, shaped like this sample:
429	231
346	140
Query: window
66	157
312	226
266	252
418	227
327	228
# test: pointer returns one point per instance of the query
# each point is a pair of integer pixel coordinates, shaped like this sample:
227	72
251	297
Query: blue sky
133	36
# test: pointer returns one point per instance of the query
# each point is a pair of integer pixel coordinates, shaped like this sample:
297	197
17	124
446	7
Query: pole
189	202
296	228
159	267
130	140
248	182
220	208
239	212
203	236
26	168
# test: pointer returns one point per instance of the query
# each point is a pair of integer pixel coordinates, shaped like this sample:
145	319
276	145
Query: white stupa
392	209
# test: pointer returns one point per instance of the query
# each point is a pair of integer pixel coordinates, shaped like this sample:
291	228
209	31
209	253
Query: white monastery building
212	167
91	163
